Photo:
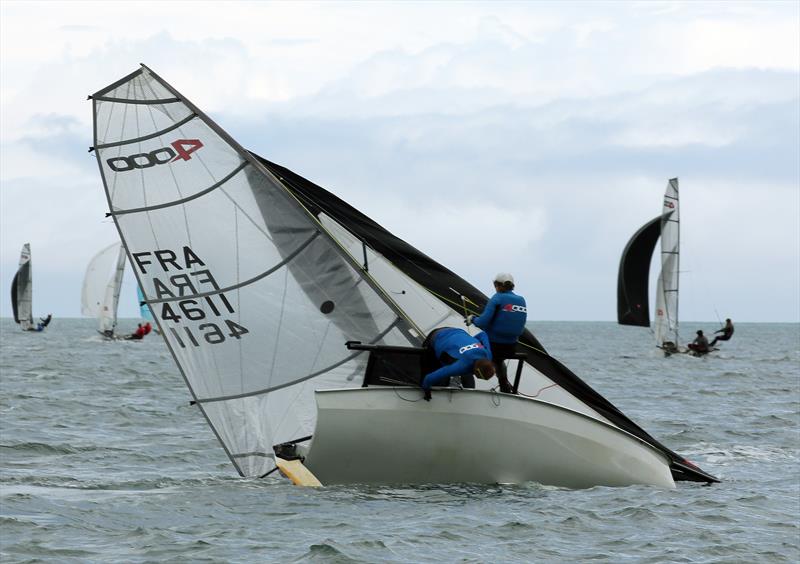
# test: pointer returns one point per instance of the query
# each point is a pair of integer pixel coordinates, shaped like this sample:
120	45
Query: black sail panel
14	299
445	284
634	274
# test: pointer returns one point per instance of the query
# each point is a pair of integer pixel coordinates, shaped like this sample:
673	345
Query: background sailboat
101	288
634	273
257	280
22	293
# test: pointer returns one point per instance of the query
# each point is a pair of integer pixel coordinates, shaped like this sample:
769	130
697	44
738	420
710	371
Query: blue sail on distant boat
144	309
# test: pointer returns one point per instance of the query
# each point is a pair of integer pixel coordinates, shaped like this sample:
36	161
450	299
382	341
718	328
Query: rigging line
532	347
394	388
252	280
537	393
267	473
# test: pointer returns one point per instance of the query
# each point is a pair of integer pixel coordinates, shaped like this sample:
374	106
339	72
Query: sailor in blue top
454	352
503	319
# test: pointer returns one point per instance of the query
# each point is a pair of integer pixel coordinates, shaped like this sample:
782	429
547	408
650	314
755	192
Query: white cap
504	277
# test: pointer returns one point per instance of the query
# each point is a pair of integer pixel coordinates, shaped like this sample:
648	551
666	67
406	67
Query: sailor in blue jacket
454	352
503	319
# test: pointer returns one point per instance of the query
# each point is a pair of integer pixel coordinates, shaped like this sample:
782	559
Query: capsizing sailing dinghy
258	278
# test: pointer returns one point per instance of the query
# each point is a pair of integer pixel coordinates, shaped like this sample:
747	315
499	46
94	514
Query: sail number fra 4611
203	301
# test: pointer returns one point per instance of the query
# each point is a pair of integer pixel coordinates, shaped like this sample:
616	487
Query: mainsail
252	294
101	287
257	277
666	323
634	275
22	291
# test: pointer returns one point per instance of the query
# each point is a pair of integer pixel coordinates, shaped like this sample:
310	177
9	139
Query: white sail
252	295
666	318
101	287
22	290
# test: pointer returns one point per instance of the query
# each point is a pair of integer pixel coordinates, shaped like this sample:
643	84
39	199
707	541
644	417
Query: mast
674	183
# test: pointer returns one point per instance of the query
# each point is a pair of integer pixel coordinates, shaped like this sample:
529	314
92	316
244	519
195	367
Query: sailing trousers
500	353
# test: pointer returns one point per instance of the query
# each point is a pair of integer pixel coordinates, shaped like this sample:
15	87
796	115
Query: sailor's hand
468	320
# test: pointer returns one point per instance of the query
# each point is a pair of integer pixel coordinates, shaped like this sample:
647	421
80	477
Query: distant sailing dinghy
296	322
102	284
634	274
22	294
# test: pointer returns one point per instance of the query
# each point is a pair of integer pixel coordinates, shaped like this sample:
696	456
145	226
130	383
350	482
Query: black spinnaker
634	275
444	284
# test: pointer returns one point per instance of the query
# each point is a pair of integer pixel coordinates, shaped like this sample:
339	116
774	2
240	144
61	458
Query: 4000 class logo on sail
181	149
169	287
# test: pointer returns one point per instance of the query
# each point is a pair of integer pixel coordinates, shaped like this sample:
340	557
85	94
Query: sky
528	137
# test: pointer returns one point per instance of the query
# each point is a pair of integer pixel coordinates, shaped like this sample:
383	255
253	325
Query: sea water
103	459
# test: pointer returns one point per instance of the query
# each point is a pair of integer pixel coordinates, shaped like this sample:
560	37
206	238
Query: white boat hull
389	435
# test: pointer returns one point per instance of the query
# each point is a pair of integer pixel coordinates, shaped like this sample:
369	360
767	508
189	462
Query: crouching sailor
454	352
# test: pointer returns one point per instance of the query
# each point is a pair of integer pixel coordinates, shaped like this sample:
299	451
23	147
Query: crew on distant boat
503	319
454	352
138	334
727	332
44	322
700	343
147	328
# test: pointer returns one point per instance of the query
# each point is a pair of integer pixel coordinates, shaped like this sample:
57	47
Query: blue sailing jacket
461	346
503	318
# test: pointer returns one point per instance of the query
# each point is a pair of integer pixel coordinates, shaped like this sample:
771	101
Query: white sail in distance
666	318
253	297
22	290
101	286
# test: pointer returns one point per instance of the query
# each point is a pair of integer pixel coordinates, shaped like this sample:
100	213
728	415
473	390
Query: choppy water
102	459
